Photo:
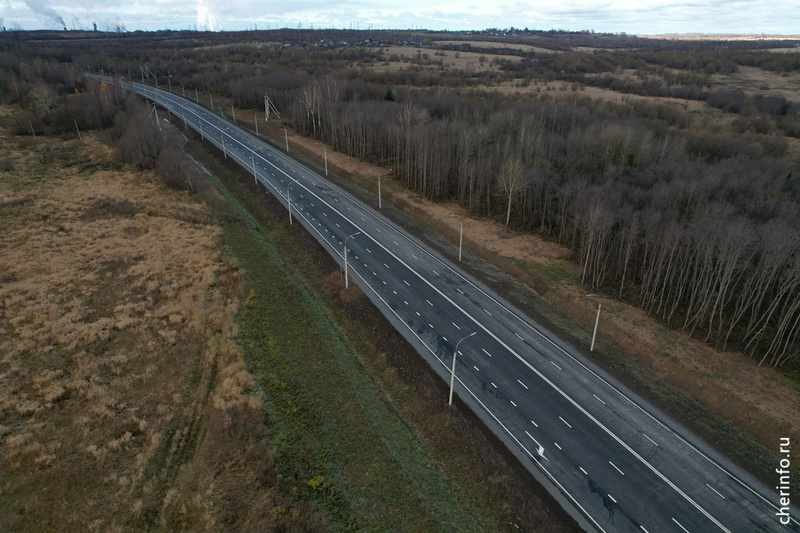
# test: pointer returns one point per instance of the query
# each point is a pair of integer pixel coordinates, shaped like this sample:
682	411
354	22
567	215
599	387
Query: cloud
37	6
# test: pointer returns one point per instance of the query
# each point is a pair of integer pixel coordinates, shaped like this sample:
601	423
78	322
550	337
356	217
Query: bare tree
510	183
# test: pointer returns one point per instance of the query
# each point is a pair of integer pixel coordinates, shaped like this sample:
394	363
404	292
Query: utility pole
78	130
325	151
196	97
597	319
380	202
255	121
460	236
253	160
233	112
286	136
289	205
224	151
345	258
453	371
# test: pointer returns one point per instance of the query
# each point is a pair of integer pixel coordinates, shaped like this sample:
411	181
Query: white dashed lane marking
616	468
555	365
598	399
715	491
487	353
567	423
521	383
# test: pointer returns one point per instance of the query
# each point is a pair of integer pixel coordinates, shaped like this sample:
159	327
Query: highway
611	459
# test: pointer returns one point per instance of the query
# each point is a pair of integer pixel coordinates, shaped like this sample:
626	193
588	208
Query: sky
642	17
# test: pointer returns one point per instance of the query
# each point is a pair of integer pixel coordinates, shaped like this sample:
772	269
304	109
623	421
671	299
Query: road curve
612	460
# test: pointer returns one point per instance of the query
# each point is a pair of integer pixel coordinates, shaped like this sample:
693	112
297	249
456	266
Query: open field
119	364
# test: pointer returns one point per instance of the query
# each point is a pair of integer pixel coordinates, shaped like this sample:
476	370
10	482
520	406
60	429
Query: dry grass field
124	400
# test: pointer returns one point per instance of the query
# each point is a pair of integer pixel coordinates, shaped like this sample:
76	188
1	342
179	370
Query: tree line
707	244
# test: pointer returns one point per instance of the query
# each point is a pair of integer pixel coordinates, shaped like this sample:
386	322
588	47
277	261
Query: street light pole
345	258
453	371
597	319
289	204
325	150
460	235
380	205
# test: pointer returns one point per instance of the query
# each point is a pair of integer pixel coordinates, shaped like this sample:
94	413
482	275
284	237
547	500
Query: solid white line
567	423
616	468
651	440
555	365
680	526
598	399
521	383
715	490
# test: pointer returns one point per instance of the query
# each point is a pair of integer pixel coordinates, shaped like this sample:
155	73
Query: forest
700	226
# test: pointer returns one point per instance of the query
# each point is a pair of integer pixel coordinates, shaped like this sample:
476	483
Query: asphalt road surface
612	460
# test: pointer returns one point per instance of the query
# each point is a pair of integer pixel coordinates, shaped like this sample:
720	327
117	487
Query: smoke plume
37	6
